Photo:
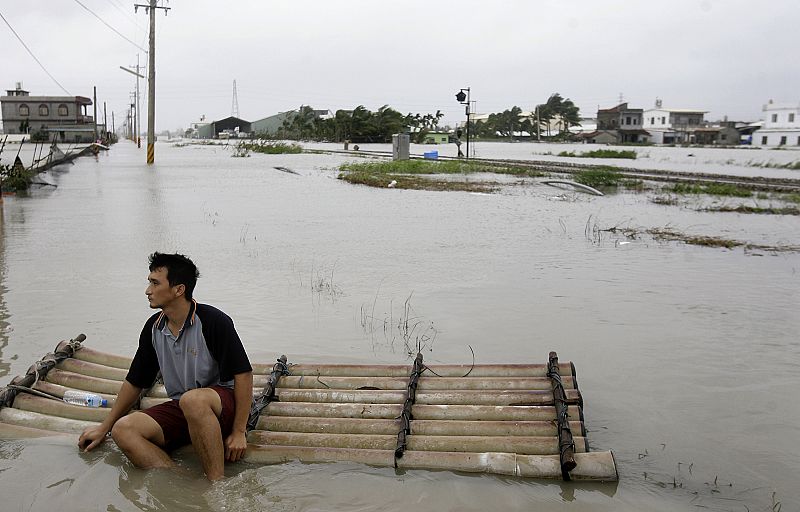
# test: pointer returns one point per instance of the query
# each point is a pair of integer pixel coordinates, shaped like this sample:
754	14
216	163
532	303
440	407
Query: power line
34	56
109	26
130	17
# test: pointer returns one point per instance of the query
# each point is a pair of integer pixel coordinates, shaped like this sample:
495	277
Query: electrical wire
109	26
34	56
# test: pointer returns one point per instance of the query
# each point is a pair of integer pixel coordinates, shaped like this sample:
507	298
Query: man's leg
141	438
202	408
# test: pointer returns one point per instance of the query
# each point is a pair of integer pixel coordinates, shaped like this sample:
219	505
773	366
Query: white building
781	125
672	125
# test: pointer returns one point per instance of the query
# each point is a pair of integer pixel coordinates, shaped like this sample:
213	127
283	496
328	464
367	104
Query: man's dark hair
180	270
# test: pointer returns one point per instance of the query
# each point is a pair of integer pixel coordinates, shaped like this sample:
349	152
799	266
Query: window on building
652	120
798	141
63	110
764	140
24	110
791	117
774	118
663	120
783	140
627	120
44	110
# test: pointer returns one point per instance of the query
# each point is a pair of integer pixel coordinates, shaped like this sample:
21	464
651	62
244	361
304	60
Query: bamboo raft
522	420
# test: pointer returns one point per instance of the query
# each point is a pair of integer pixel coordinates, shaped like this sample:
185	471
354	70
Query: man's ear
180	289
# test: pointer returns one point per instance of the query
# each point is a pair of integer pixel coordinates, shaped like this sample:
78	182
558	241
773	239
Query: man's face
159	292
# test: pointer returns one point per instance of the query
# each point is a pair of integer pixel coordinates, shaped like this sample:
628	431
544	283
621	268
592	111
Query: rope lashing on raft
279	369
566	444
406	416
64	350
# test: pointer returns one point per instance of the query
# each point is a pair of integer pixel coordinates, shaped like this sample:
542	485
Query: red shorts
173	423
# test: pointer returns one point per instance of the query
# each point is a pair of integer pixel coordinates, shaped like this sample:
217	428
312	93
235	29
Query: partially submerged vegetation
602	153
414	174
593	232
770	210
772	165
715	189
15	178
599	177
269	147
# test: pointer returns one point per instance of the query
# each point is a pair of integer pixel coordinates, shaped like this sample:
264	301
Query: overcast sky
725	56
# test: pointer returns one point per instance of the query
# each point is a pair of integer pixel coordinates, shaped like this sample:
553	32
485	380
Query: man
206	373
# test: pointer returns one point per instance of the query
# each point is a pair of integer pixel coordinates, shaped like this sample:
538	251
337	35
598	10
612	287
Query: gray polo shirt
206	352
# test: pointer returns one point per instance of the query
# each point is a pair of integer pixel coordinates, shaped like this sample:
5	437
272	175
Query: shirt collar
161	321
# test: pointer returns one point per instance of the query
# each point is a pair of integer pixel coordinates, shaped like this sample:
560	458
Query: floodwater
687	356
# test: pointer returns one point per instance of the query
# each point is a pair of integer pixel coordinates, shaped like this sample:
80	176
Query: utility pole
105	120
137	120
94	104
151	80
113	126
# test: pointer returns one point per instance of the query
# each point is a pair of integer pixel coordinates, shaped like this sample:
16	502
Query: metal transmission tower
235	102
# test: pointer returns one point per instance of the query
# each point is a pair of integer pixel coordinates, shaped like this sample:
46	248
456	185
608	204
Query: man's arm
236	443
127	396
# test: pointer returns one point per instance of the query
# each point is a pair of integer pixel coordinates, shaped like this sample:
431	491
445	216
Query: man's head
171	276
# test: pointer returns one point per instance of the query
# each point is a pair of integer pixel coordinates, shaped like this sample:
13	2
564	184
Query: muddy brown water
687	356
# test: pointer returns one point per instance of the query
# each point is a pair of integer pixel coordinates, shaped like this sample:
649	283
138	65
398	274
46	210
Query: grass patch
601	177
792	198
415	182
602	153
418	166
789	210
270	147
714	189
413	174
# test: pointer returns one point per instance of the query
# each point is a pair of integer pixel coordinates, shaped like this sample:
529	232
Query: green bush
601	177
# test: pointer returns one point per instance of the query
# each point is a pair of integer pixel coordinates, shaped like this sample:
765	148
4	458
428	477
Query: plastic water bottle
84	398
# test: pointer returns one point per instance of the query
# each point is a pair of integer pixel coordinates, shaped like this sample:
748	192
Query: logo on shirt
192	351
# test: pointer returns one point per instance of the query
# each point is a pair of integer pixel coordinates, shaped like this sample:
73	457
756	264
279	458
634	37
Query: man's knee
124	430
197	403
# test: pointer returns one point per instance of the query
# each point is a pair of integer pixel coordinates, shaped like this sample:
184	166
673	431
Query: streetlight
463	98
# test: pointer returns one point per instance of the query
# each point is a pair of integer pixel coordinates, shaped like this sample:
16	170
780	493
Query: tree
559	108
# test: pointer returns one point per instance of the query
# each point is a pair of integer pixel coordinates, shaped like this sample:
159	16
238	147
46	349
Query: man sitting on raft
206	373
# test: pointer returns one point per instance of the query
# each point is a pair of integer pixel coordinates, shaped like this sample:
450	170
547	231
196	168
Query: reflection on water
686	356
5	366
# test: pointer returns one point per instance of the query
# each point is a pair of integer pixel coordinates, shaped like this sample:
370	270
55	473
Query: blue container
431	155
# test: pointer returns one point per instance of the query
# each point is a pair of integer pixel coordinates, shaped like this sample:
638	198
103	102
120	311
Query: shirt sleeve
144	367
225	346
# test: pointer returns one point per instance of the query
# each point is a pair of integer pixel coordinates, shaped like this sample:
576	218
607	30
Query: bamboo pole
401	370
58	390
95	356
591	466
418	427
356	370
83	382
430	398
92	369
421	412
50	407
18	417
528	445
9	431
426	383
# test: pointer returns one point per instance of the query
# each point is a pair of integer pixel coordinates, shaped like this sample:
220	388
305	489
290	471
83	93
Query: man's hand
92	437
235	446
